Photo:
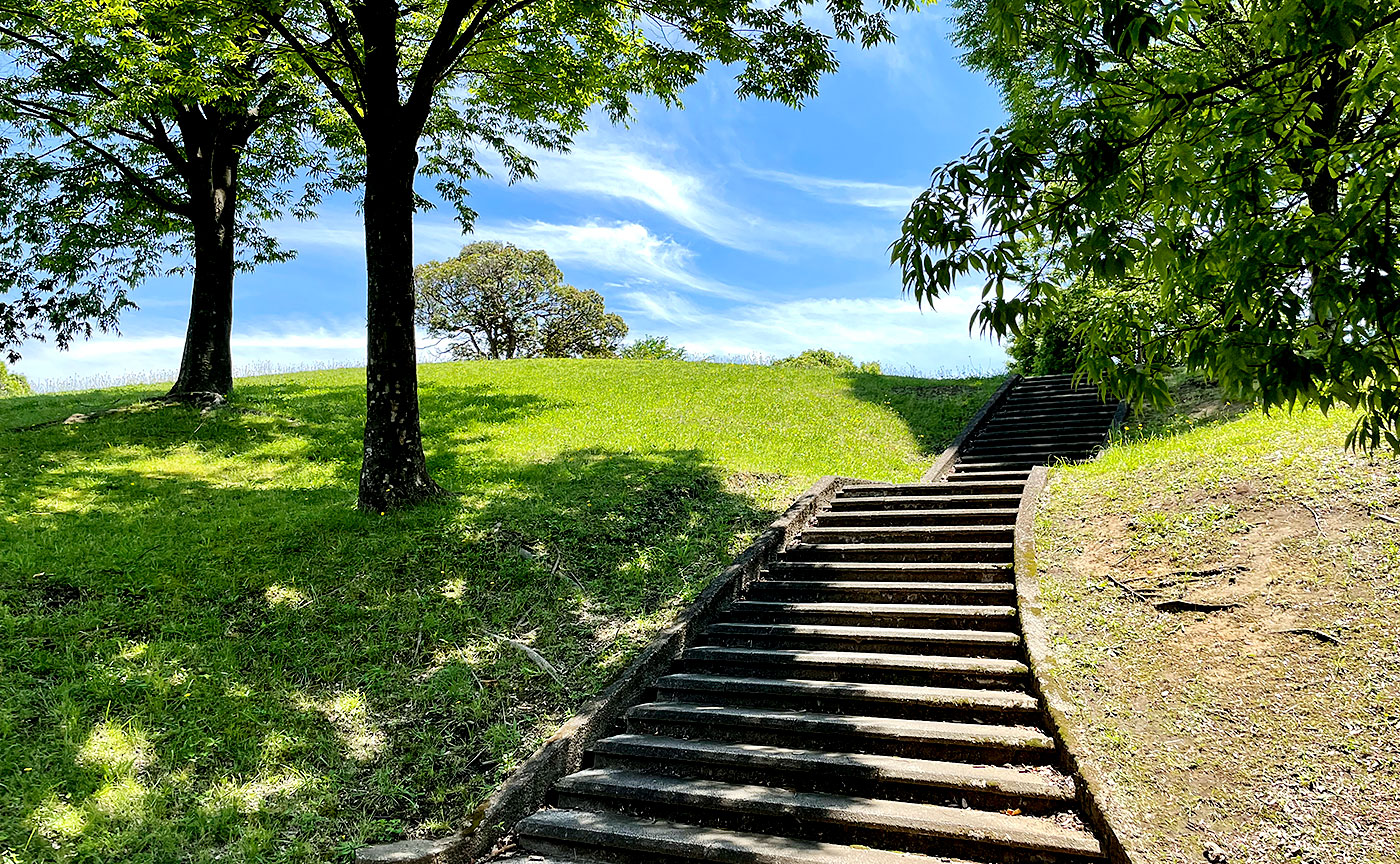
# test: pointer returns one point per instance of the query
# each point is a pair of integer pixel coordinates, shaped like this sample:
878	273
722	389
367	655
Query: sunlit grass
206	653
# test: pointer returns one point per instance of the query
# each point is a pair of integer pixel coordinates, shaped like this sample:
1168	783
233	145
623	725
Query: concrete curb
1089	783
528	787
944	463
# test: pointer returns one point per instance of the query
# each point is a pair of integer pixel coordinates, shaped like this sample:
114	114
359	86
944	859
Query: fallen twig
1126	587
534	656
1208	571
1384	518
1193	606
1316	520
1316	634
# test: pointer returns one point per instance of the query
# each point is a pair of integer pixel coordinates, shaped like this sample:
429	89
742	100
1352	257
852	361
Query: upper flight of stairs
866	701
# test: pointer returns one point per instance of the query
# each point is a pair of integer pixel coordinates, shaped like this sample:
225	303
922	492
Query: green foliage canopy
12	384
824	358
653	348
114	118
495	301
1234	162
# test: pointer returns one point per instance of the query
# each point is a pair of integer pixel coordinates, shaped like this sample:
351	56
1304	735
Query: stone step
852	697
925	571
873	591
933	490
903	825
634	840
1020	474
1038	790
1058	436
908	533
930	502
1024	447
1006	466
969	516
862	666
943	615
981	743
1044	456
1030	417
899	552
892	640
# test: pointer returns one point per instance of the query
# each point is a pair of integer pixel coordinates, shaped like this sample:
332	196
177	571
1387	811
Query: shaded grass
206	653
1233	728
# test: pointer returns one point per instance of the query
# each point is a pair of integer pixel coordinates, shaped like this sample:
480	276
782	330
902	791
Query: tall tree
443	77
495	301
142	133
1234	160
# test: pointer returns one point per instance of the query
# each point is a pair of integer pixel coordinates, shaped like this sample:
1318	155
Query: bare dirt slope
1266	730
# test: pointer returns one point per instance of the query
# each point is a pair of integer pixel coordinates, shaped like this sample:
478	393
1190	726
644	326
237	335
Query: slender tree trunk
206	367
395	472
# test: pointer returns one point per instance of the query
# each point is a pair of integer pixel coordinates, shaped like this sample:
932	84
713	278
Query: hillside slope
207	654
1264	731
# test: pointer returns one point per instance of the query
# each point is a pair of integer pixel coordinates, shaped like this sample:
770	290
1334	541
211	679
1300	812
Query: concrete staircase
866	701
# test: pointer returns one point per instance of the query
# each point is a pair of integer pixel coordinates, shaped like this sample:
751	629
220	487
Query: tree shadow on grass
235	662
935	411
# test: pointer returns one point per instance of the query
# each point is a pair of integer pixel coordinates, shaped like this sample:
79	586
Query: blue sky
732	228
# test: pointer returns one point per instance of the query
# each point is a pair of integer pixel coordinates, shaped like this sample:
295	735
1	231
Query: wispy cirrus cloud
858	193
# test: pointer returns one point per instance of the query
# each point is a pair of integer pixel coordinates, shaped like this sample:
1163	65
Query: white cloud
891	330
860	193
625	249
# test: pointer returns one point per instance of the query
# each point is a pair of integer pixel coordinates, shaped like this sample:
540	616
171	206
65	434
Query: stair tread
931	530
698	843
1018	832
996	700
817	606
868	727
872	585
1041	782
929	546
910	634
912	662
901	566
914	514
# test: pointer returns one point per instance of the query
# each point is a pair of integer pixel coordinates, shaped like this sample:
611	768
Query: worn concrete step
905	825
933	490
896	736
908	533
893	640
947	516
913	571
1023	447
1005	466
864	666
1058	436
944	615
897	552
634	840
999	501
1020	474
1078	418
872	591
1045	457
1031	790
852	697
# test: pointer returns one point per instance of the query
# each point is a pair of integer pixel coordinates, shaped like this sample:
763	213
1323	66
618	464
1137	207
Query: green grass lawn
206	653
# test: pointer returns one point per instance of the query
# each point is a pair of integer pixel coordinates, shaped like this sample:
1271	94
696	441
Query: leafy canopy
495	301
1229	167
467	76
106	106
653	348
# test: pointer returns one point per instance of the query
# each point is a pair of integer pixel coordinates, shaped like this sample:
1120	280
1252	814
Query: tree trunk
206	367
395	472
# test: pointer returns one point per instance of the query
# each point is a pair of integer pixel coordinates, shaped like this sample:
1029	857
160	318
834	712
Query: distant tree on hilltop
495	301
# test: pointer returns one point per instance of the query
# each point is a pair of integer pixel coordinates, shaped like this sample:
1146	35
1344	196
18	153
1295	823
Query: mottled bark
395	471
206	366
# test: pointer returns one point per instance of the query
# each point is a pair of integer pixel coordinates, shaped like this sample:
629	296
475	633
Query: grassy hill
1268	728
206	653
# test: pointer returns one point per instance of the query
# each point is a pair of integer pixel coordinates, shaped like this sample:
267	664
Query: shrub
821	358
12	384
653	348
